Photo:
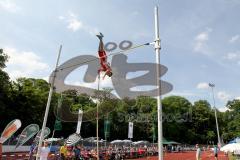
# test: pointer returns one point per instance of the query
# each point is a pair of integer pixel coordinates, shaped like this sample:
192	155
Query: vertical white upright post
48	104
159	105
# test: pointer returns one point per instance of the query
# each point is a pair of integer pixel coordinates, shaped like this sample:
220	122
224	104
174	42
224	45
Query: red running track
188	156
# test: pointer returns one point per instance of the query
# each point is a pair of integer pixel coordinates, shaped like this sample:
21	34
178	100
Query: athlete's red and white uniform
105	67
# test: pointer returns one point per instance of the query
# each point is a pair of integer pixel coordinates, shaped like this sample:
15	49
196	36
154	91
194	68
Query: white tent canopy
233	147
100	141
116	141
141	143
126	141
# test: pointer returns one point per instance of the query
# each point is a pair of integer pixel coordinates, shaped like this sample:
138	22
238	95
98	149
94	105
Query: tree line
183	121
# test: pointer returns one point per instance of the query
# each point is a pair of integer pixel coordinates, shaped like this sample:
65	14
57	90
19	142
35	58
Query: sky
200	40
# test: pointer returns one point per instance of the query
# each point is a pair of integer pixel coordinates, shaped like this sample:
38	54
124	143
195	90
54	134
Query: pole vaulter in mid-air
105	66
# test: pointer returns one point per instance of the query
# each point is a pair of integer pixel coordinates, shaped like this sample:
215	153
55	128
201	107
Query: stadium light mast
159	105
211	85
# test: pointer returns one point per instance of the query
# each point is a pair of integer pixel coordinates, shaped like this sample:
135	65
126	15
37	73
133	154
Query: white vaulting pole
98	101
159	105
48	104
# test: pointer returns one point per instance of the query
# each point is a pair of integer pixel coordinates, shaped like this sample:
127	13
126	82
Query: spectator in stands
70	153
77	151
31	152
63	151
215	151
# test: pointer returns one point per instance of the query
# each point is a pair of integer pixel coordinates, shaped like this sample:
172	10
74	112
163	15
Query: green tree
232	120
203	121
177	119
4	89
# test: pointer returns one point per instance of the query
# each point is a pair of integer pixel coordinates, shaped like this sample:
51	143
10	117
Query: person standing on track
215	151
44	152
198	152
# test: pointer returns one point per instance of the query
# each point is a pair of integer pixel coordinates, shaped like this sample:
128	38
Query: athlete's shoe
100	35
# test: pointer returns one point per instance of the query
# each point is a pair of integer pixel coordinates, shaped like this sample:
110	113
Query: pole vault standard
48	105
159	105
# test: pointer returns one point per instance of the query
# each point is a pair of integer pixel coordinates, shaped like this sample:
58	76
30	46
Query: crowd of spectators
79	152
109	152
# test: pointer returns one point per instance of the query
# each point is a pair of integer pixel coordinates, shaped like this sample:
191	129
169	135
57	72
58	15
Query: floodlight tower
211	85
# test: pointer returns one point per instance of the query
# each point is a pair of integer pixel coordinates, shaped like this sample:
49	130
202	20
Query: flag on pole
27	133
46	133
57	125
79	124
130	130
10	129
106	128
154	132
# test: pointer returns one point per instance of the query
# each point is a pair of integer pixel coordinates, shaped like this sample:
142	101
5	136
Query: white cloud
223	109
9	5
46	78
74	24
24	63
234	38
223	96
233	56
202	85
183	93
237	98
201	40
202	37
